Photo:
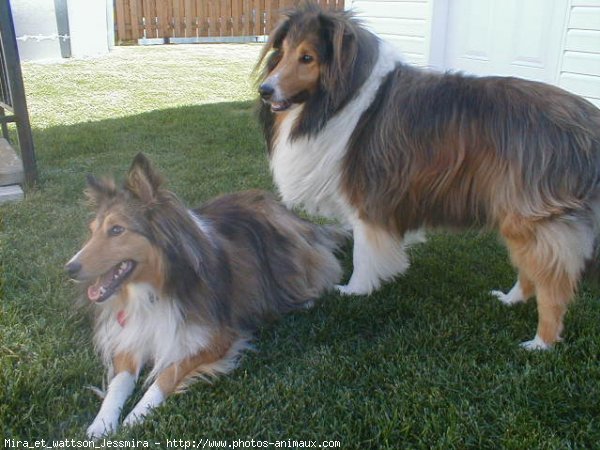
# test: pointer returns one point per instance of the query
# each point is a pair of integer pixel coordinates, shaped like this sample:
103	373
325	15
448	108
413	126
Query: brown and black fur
196	283
458	150
258	260
447	149
326	33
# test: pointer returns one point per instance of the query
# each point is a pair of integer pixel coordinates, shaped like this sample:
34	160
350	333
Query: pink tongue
94	292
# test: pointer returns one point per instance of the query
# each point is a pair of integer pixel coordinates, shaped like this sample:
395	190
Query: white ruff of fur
154	331
308	173
308	170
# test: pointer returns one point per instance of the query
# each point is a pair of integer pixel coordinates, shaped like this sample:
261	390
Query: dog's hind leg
377	256
552	255
522	291
220	357
126	370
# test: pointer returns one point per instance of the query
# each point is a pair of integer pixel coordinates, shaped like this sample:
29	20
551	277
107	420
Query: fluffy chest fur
151	329
308	169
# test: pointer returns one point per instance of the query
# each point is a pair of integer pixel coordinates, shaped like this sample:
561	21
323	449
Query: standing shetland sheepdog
183	289
355	133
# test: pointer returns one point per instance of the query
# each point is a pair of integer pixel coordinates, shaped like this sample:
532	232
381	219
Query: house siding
418	29
404	23
580	62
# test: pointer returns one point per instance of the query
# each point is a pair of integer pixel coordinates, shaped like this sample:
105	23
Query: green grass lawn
430	361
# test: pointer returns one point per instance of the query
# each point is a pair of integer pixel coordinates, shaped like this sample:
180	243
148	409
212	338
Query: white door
505	37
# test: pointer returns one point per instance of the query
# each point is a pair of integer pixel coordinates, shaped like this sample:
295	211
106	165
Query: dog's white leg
377	256
170	379
151	399
536	344
515	295
107	419
522	291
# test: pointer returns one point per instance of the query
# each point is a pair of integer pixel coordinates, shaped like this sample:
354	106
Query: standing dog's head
315	57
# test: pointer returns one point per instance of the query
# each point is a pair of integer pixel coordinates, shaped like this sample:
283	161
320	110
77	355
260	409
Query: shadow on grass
429	359
205	150
202	150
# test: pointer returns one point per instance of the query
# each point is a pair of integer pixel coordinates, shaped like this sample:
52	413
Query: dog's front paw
347	289
101	427
151	399
507	299
536	344
133	418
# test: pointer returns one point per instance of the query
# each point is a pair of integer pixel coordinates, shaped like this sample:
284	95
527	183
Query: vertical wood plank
246	17
120	13
224	17
210	17
202	14
127	19
190	18
218	18
175	19
258	10
198	17
256	16
149	16
189	11
164	25
267	16
135	19
182	18
236	15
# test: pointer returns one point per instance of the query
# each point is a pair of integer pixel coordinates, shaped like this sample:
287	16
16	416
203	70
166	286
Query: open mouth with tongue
280	106
289	102
109	283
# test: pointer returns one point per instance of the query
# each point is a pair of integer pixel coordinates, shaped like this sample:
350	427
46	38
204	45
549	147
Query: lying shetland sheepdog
356	134
182	289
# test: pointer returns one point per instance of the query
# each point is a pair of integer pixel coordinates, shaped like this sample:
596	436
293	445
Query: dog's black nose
266	91
73	268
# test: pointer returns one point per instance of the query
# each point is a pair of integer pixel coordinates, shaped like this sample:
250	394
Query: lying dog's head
315	55
120	249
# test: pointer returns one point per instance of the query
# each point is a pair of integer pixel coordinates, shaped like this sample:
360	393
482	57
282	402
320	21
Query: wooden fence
151	19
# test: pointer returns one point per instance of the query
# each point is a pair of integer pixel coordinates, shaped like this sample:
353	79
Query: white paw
347	289
151	399
507	299
101	427
536	344
133	418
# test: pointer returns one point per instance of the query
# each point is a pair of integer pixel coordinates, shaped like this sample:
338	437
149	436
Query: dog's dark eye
306	59
116	230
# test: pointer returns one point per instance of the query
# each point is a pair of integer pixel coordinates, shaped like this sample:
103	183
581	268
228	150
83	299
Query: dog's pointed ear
143	181
99	190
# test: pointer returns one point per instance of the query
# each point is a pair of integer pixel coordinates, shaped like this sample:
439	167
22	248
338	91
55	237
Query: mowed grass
429	361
